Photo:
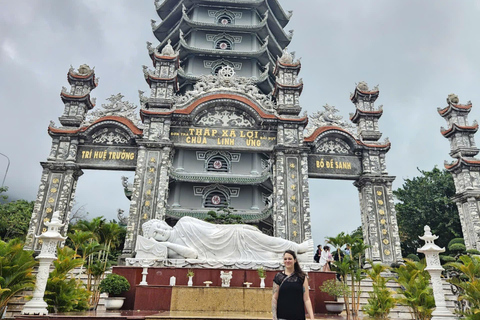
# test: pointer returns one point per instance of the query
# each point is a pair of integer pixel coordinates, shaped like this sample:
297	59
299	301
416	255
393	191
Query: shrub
114	284
457	247
381	299
262	273
413	257
455	240
335	288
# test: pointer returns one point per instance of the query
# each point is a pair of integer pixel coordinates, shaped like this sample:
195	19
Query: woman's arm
306	299
274	300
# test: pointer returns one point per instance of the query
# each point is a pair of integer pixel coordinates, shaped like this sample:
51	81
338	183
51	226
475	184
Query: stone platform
158	295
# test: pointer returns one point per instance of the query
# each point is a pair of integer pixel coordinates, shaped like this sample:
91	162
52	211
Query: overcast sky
416	51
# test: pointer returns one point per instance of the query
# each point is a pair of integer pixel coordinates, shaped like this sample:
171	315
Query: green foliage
64	293
224	216
446	259
16	267
335	288
456	240
469	267
262	273
190	273
114	284
350	265
381	299
413	257
426	200
14	217
417	293
457	247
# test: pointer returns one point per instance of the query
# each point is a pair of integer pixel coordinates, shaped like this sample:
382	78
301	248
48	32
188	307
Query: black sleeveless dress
290	304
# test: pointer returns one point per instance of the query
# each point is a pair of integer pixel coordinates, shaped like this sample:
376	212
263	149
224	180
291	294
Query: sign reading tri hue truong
221	137
333	165
107	156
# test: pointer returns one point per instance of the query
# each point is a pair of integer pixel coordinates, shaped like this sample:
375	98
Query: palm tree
338	242
16	267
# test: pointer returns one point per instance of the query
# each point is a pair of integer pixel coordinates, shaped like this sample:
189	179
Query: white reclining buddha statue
192	238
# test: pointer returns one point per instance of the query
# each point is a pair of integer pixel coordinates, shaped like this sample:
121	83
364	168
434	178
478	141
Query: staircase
400	311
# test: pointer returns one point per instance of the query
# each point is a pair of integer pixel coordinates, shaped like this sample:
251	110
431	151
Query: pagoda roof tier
462	108
263	82
455	128
384	146
363	114
67	97
294	65
364	95
85	75
262	55
213	177
298	86
248	216
151	78
462	163
166	7
275	45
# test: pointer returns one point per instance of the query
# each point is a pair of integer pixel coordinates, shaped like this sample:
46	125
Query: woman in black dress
290	291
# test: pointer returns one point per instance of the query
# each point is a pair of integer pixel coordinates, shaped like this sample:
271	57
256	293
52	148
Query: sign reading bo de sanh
221	137
343	167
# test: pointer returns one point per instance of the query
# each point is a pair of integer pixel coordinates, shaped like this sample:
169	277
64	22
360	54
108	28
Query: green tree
16	267
64	292
426	200
14	217
224	216
416	292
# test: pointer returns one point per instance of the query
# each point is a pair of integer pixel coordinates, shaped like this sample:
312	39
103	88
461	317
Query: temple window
215	199
218	164
223	44
225	18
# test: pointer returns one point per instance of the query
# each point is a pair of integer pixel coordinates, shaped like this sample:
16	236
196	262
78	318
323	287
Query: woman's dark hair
326	248
297	269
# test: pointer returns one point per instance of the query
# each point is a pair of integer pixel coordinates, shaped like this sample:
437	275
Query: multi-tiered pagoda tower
466	167
221	129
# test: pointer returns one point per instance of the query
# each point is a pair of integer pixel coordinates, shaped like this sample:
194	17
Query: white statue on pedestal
226	276
192	238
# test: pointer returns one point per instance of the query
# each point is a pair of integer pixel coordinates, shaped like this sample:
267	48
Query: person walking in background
318	253
325	259
290	295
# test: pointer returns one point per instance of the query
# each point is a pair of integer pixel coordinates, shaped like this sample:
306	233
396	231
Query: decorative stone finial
84	69
362	86
168	50
452	99
286	57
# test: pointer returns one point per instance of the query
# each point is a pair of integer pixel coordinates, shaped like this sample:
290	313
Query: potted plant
190	275
262	274
114	285
335	289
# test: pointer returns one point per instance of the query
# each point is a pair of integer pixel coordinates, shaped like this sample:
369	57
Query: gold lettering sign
223	137
381	211
380	202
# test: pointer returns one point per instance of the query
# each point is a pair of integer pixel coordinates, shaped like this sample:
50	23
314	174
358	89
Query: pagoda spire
77	100
465	169
288	87
366	114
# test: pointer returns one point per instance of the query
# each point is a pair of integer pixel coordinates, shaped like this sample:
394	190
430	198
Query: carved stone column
151	179
379	219
291	204
55	193
434	268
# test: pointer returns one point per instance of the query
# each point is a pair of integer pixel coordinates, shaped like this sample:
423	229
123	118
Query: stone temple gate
220	128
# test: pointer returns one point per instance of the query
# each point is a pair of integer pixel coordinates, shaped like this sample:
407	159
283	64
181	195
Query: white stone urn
190	281
114	303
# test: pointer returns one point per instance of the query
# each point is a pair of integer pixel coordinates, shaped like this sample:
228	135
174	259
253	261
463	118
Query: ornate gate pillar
379	219
55	193
149	196
465	169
